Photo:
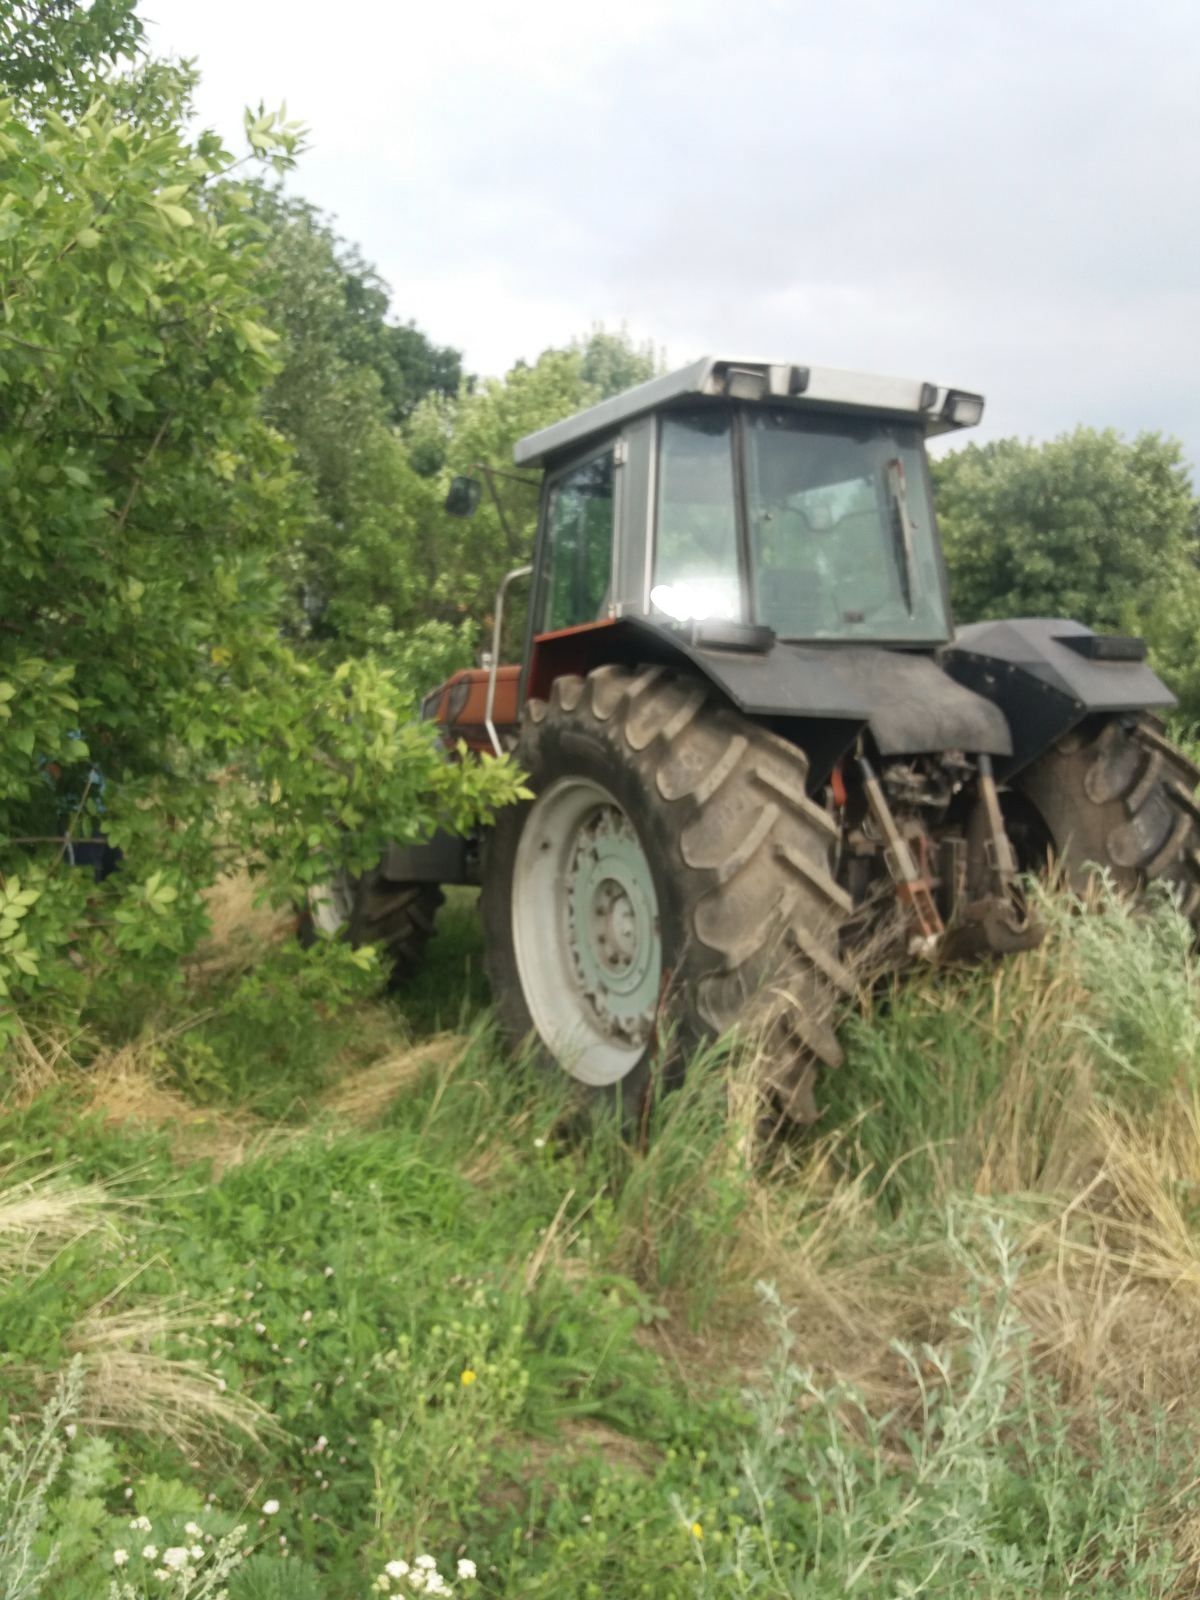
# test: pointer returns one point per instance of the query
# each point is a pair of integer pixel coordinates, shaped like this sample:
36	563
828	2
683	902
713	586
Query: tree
1089	526
53	52
404	561
151	521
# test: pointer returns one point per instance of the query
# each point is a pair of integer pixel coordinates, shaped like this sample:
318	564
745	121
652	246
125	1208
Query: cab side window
579	532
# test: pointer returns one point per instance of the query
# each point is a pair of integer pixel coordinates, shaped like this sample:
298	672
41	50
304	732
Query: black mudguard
1047	675
823	694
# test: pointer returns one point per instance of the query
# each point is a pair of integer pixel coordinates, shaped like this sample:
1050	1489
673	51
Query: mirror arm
494	664
490	474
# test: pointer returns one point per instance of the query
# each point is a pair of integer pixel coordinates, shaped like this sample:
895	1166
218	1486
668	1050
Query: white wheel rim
330	904
586	931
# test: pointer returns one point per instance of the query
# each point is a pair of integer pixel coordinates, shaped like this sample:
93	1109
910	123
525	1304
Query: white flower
427	1562
437	1584
320	1445
197	1552
162	1574
70	1430
175	1557
397	1569
149	1552
141	1524
193	1530
539	1144
270	1507
120	1557
329	1272
466	1569
129	1492
307	1317
418	1578
260	1327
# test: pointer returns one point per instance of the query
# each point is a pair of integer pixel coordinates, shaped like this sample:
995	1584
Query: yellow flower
697	1531
467	1377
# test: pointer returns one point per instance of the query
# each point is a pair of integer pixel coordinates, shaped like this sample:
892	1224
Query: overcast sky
1003	196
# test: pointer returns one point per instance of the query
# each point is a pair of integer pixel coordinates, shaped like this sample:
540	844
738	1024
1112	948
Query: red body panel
460	704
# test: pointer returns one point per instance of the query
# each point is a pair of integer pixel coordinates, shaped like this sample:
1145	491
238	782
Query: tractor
756	743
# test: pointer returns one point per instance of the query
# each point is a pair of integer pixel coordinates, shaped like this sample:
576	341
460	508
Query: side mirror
463	497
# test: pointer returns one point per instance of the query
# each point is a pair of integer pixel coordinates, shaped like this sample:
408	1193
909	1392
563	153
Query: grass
942	1345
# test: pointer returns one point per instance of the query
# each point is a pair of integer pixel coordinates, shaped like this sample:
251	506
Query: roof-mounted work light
962	410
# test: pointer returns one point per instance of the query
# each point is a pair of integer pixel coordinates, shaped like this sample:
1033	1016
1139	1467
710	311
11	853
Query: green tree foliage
151	517
1090	526
404	563
52	52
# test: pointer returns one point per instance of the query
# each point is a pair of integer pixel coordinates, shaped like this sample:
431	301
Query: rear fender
819	696
1047	675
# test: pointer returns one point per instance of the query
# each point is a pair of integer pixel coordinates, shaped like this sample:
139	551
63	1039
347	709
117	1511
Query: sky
998	194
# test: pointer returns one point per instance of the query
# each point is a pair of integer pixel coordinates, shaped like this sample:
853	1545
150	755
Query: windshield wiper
902	527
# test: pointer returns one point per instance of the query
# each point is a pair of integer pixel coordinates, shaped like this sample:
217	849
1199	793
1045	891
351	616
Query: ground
350	1278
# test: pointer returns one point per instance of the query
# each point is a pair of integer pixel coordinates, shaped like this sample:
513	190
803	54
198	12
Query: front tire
371	909
1120	796
671	868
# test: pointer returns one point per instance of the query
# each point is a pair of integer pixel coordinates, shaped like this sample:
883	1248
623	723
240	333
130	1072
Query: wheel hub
612	924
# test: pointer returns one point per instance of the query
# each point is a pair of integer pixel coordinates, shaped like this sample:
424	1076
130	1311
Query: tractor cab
748	501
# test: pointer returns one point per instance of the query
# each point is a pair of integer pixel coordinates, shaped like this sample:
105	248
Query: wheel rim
586	931
330	904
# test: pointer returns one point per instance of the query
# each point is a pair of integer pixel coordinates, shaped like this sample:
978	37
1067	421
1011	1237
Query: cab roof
938	409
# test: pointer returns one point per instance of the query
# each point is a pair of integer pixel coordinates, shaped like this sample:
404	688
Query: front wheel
1122	797
671	875
371	909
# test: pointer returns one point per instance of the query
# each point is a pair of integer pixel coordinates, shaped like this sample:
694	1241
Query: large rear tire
670	873
371	909
1120	796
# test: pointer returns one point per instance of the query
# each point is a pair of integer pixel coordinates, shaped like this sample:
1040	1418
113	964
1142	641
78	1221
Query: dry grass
364	1094
128	1384
46	1214
240	928
126	1087
33	1063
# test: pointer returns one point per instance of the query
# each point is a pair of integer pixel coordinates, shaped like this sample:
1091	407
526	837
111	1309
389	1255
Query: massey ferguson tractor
756	743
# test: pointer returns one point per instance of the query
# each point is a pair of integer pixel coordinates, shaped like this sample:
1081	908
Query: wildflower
70	1430
260	1327
397	1569
320	1445
149	1552
466	1569
129	1492
140	1524
468	1377
175	1557
270	1507
697	1531
120	1557
197	1552
193	1530
427	1562
306	1317
162	1573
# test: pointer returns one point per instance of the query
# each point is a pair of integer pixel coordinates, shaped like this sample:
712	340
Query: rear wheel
1120	796
371	909
671	869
